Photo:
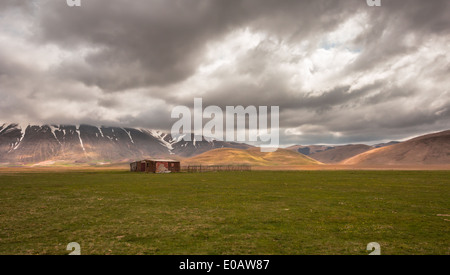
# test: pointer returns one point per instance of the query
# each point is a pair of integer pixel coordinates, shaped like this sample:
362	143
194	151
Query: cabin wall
155	166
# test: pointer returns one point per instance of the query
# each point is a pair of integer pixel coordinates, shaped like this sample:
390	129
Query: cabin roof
162	160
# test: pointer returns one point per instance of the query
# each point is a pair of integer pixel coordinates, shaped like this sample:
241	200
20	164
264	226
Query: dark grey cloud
146	43
402	20
339	70
142	43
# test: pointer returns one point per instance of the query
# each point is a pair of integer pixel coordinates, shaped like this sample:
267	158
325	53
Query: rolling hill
252	156
432	149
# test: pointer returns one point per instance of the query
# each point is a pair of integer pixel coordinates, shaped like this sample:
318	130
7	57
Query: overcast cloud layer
341	72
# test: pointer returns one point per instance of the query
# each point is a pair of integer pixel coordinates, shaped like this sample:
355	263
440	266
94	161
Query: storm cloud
341	71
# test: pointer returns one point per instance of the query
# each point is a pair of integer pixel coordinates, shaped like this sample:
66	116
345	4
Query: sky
340	71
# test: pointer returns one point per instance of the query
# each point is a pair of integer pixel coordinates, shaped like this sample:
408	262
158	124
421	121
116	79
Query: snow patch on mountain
79	136
53	129
101	132
129	134
22	130
160	137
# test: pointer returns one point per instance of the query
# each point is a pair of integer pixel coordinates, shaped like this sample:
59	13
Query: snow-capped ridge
48	142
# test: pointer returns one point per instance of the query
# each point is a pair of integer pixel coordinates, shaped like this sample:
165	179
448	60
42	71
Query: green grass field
305	212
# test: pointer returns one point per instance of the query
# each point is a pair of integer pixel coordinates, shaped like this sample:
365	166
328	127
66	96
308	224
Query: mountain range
86	144
90	144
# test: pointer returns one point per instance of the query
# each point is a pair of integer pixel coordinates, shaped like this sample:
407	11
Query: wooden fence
215	168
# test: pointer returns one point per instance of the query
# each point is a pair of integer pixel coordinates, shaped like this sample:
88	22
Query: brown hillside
429	149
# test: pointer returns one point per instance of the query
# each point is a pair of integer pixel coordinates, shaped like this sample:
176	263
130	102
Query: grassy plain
244	213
